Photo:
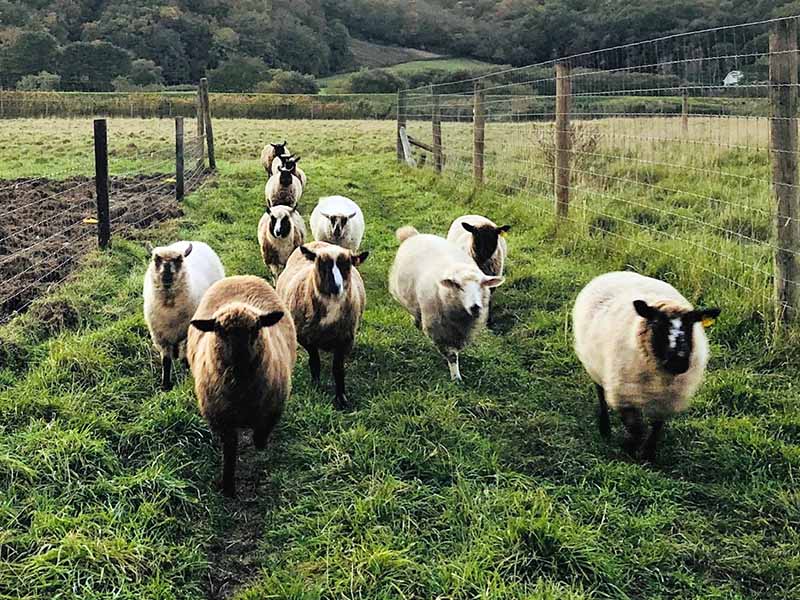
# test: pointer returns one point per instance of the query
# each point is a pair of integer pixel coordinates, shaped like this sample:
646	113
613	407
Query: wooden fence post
478	131
101	183
436	125
685	112
201	128
179	166
783	63
212	163
401	122
563	139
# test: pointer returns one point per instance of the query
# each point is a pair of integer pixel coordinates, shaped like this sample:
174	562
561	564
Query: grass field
498	488
372	55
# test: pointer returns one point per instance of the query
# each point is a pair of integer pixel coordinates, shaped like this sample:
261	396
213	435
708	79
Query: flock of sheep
641	342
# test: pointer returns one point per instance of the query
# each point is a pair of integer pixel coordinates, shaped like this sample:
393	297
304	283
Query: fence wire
670	146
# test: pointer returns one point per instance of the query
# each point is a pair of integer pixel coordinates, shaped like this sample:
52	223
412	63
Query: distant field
500	488
371	55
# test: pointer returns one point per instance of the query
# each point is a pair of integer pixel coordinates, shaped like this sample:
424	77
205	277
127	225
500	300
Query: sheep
325	294
280	230
176	279
242	350
482	240
643	345
338	220
290	160
283	187
269	153
443	289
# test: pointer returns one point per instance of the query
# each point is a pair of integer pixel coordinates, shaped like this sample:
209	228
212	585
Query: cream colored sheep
482	240
242	350
443	289
644	346
290	161
338	220
269	153
176	279
280	230
283	188
325	294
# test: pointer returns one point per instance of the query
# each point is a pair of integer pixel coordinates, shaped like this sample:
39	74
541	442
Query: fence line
49	224
686	145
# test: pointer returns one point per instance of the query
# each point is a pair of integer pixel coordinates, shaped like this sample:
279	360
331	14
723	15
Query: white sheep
325	294
483	240
443	289
338	220
242	350
290	161
283	188
280	230
644	346
176	279
269	153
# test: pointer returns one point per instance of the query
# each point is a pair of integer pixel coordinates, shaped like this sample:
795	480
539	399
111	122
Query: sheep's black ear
204	325
644	311
188	250
309	254
296	159
706	316
359	258
270	319
468	227
503	229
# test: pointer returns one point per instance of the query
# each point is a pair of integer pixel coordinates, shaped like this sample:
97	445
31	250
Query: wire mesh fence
49	215
682	146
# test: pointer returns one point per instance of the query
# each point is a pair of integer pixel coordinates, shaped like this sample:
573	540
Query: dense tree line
107	44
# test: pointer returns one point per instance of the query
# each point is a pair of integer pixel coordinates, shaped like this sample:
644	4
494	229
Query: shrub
375	81
288	82
238	74
43	82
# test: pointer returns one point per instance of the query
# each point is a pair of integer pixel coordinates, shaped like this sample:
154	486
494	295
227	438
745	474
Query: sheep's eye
157	261
344	221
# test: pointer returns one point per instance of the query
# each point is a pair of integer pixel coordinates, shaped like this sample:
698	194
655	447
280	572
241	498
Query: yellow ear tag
708	322
503	233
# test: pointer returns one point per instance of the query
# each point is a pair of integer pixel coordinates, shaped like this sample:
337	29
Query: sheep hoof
604	425
228	489
341	402
166	386
631	445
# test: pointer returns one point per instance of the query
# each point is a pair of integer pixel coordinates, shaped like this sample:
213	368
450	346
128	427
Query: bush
288	82
43	82
239	74
375	81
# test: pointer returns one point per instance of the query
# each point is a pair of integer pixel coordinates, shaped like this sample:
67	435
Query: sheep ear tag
708	322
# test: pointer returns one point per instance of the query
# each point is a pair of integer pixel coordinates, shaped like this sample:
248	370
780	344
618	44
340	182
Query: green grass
372	55
498	488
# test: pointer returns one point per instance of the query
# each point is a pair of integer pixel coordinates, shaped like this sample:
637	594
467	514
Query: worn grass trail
498	488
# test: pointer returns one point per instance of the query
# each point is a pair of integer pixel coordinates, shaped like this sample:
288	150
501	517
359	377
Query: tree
145	72
239	74
32	52
43	82
288	82
91	66
375	81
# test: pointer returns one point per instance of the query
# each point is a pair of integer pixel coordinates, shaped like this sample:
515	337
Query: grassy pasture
500	488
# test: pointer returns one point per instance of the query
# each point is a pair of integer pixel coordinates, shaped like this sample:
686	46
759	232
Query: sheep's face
468	290
332	266
167	265
280	221
484	239
285	175
338	224
279	149
672	333
237	327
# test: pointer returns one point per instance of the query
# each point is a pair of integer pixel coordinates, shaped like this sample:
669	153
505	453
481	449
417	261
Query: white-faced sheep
443	289
174	284
242	350
338	220
290	160
644	346
482	240
269	153
280	230
284	187
325	294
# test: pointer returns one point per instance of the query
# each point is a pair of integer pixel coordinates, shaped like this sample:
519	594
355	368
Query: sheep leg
230	443
603	422
634	428
314	364
166	373
452	362
261	435
340	400
650	445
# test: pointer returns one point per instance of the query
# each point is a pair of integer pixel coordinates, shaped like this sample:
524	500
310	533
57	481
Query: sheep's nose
475	309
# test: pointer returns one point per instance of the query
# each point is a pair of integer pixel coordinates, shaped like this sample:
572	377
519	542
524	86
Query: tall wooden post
478	133
783	63
563	139
101	182
685	113
212	163
201	128
179	166
436	126
402	100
